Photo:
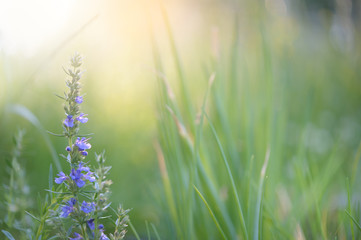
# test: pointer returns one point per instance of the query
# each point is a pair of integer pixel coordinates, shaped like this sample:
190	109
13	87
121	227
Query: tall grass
266	153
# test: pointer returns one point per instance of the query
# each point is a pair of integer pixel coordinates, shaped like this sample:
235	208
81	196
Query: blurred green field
189	98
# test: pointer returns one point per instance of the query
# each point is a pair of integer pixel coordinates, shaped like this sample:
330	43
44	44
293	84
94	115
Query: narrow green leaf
134	231
234	189
155	231
31	215
349	207
354	220
211	212
257	225
55	134
60	96
51	177
8	235
28	115
57	192
148	232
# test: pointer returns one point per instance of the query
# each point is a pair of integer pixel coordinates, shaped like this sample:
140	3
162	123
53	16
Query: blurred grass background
287	78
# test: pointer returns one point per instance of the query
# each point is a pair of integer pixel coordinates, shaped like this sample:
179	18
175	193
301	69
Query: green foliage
258	124
272	99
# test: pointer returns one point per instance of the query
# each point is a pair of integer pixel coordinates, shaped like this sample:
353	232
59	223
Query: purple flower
91	224
62	177
101	226
82	168
77	236
103	236
82	144
79	99
84	153
67	209
89	176
87	207
68	149
77	177
82	118
69	121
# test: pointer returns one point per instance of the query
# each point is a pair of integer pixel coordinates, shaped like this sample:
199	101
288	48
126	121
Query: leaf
229	173
59	96
354	220
155	231
55	134
108	205
31	215
148	232
51	177
134	231
24	112
8	235
211	212
258	216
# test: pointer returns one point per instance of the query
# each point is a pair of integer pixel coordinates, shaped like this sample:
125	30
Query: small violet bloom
82	168
62	177
82	118
89	176
87	207
84	153
91	224
82	144
77	236
79	99
103	236
69	208
68	149
69	121
77	177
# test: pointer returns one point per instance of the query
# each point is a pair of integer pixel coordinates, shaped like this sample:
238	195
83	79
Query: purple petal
103	236
77	236
87	207
89	176
67	209
80	183
81	168
91	224
82	144
79	99
62	177
69	122
82	118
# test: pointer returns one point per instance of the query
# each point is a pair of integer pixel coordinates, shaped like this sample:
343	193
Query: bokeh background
316	44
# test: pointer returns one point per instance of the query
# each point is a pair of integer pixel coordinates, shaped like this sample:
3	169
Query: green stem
84	232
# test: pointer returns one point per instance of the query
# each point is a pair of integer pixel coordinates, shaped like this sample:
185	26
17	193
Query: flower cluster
86	191
78	202
77	176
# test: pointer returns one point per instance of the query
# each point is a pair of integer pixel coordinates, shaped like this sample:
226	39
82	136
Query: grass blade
28	115
147	227
155	231
256	228
211	212
234	189
134	231
354	220
8	235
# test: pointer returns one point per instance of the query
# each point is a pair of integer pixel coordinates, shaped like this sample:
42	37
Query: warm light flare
26	25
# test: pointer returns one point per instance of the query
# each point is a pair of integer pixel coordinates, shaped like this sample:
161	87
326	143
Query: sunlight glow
26	25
